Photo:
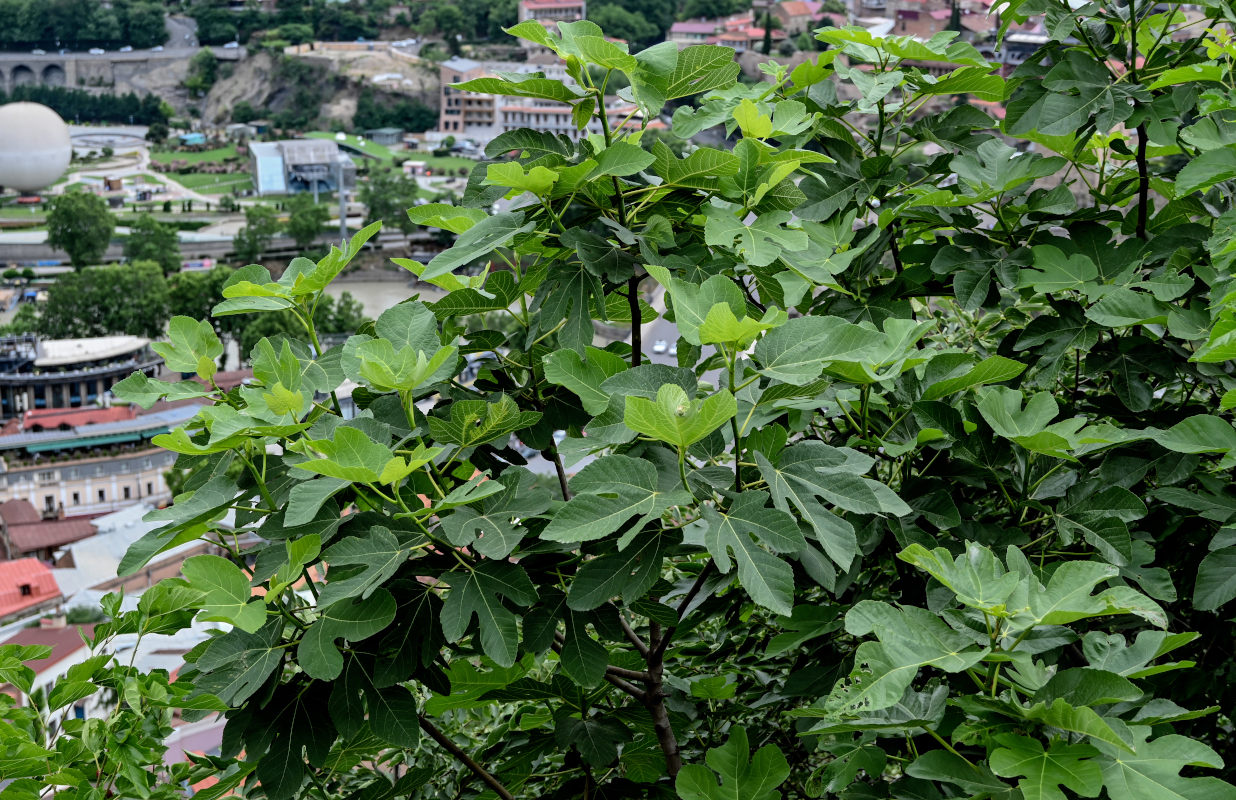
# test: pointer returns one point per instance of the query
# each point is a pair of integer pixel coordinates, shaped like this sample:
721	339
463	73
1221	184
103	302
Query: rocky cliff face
264	82
252	80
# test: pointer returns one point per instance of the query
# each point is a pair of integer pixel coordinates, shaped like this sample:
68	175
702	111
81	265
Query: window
77	498
48	476
126	493
102	496
26	590
149	488
49	502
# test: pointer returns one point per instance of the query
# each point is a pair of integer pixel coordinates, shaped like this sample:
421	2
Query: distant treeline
77	105
78	24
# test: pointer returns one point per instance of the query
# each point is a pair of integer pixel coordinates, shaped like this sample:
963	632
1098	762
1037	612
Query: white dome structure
35	148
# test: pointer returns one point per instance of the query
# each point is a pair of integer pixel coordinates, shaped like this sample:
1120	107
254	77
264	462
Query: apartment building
484	116
89	461
549	13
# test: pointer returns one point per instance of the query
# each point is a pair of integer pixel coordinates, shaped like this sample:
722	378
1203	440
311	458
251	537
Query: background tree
81	225
122	299
151	240
243	111
26	320
387	196
261	227
768	39
305	219
623	23
203	72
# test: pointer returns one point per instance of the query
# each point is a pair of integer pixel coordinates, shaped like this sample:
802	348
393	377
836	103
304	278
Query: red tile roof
18	512
50	419
64	642
797	8
25	572
49	533
694	27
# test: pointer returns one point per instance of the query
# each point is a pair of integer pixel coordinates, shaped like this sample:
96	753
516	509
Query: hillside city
149	150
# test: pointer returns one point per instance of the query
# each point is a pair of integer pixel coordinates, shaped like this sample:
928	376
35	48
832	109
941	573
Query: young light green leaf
675	418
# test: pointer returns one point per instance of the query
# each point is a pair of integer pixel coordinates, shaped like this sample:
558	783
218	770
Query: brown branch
562	478
629	674
632	636
1143	182
637	347
705	573
490	781
636	692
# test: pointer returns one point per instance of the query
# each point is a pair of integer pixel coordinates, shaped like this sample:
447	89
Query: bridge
85	70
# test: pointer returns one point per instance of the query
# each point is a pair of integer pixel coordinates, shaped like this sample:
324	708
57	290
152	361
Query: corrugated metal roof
144	426
308	151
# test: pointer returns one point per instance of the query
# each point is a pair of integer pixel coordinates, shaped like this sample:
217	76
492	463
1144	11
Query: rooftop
25	583
41	419
64	642
59	352
704	27
798	8
308	151
19	512
49	534
142	426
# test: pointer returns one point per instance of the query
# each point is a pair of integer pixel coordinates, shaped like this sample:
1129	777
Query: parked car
158	48
96	51
673	351
660	346
38	52
128	48
231	45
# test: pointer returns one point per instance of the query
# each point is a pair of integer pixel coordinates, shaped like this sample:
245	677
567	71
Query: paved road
181	33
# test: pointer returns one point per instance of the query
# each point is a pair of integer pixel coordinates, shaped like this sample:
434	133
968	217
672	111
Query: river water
378	295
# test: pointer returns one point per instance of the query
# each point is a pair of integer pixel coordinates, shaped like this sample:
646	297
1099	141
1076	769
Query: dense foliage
80	224
374	110
932	502
80	24
81	106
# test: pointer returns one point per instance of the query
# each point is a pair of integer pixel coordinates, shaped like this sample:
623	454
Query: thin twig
465	759
705	573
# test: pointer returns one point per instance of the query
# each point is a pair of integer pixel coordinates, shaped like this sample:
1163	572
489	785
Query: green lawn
240	183
19	212
218	154
378	151
204	182
439	163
